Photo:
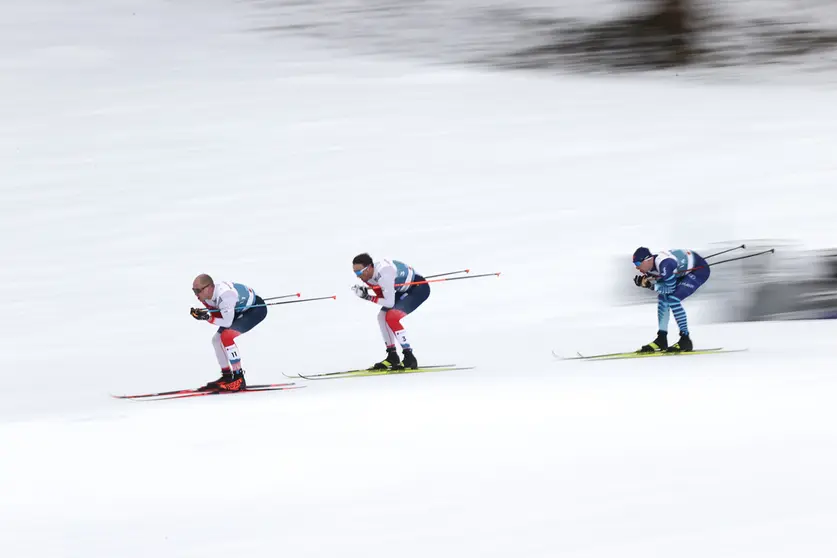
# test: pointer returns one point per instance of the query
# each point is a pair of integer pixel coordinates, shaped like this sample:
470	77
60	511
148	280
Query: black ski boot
410	359
682	346
392	362
658	344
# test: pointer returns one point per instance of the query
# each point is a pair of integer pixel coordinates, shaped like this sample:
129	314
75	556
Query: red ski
218	392
200	391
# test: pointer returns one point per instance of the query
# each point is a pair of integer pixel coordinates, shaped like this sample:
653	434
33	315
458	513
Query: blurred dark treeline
578	35
672	33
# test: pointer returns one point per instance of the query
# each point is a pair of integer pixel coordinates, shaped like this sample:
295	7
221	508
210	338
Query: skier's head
363	266
643	259
203	286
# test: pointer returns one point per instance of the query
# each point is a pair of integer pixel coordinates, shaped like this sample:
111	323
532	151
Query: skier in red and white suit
394	288
235	309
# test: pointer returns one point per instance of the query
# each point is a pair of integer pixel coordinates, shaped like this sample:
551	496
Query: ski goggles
359	272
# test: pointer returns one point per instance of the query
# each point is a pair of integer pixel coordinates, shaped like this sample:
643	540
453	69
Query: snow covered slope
146	142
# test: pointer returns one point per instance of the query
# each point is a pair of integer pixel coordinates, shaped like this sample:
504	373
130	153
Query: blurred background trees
658	34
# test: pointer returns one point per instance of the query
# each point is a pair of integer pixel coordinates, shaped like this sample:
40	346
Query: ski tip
129	397
561	357
334	297
298	295
467	271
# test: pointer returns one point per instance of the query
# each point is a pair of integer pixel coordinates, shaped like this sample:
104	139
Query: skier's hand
644	281
199	313
361	291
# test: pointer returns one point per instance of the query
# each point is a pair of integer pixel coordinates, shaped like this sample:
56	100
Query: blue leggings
686	287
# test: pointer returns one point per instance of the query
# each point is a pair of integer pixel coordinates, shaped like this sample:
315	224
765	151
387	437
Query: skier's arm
667	281
226	314
387	284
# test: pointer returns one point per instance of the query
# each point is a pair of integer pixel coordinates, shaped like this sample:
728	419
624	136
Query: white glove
361	291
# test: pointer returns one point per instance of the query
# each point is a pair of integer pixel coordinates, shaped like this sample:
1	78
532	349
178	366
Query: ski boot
658	344
684	345
410	359
392	362
229	381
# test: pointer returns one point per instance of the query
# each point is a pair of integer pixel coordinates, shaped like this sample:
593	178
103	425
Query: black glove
199	313
644	281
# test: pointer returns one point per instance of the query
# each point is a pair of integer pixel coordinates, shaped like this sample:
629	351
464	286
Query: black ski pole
448	273
448	279
283	296
300	300
743	257
725	251
285	302
729	260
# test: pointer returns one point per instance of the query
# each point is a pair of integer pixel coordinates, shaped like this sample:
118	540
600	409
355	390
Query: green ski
621	356
364	373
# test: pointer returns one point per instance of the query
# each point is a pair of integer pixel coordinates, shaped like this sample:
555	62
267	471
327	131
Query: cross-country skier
235	309
389	281
674	275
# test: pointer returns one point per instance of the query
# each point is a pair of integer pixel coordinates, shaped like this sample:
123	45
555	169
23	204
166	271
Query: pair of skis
183	393
658	354
360	373
199	392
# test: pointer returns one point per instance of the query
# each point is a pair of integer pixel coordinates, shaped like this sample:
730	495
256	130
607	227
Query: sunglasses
359	272
198	291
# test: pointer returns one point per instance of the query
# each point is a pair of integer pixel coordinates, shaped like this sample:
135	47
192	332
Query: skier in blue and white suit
674	275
